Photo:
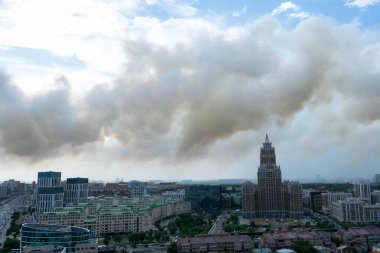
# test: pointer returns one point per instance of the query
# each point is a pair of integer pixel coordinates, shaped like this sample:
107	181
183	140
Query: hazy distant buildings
49	191
76	190
377	179
272	198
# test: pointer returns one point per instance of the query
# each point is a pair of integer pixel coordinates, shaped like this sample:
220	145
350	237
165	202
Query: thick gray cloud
177	100
39	126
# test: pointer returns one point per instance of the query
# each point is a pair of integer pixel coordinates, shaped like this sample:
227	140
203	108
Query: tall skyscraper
272	197
76	190
49	191
270	191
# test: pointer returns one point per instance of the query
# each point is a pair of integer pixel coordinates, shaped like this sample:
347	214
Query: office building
76	190
49	191
204	197
54	235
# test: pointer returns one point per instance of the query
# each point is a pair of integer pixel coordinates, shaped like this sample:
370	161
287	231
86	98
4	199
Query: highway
7	208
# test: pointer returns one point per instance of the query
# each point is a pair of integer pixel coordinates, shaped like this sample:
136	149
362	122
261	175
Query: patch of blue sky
42	57
242	11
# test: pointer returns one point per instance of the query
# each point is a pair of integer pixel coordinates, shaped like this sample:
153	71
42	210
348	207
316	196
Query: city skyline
177	89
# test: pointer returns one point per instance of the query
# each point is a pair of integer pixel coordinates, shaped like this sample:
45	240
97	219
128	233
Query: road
217	227
7	208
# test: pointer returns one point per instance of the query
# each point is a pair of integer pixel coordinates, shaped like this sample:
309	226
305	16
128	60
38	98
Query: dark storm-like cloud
177	100
37	127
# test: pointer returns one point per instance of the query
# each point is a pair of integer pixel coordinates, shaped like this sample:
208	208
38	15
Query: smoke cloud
175	100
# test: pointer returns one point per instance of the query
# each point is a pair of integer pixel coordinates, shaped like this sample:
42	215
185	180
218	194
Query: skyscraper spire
266	138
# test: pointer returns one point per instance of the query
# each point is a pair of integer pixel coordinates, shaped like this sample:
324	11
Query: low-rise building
360	236
215	243
286	239
54	235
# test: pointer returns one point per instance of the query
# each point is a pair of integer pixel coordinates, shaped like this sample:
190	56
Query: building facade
53	235
110	215
271	198
349	210
76	190
362	189
49	191
329	198
215	243
316	201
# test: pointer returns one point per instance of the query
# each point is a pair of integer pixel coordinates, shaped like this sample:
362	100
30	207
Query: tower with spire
272	197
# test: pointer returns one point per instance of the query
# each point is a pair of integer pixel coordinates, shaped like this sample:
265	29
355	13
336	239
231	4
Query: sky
187	89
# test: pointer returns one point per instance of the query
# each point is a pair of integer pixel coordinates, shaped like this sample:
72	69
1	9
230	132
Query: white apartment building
117	215
349	210
362	189
328	198
375	197
372	213
179	194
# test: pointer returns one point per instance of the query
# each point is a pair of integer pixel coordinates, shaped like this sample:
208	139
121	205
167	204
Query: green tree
12	243
172	227
118	238
303	246
336	240
172	248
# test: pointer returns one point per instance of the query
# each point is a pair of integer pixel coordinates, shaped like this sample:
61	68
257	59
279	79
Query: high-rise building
248	199
362	189
49	191
316	201
349	210
76	190
375	197
272	197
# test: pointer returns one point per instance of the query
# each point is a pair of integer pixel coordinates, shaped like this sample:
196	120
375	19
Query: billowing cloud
38	127
203	91
194	94
361	3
